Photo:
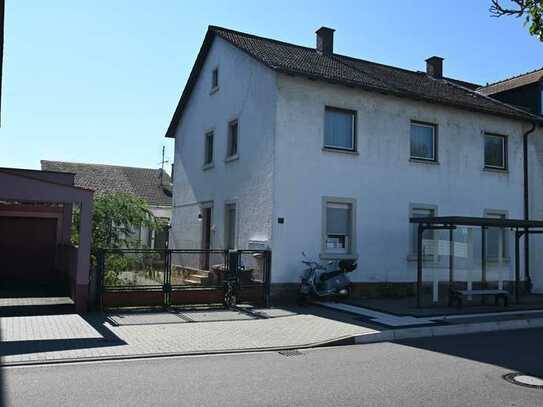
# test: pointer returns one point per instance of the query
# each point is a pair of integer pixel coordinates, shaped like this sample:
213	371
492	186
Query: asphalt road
452	371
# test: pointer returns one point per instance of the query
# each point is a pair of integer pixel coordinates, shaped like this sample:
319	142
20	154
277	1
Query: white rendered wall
536	207
247	92
381	177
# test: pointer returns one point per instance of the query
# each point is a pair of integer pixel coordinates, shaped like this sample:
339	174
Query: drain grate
291	353
524	380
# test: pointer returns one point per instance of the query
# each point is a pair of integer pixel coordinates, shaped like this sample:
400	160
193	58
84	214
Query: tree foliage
115	217
530	10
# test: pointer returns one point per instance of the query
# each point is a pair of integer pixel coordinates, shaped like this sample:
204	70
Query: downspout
527	209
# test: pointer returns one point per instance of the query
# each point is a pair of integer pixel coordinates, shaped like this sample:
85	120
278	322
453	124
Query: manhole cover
524	380
290	353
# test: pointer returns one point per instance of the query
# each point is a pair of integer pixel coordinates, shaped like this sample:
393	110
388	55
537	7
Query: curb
447	330
339	341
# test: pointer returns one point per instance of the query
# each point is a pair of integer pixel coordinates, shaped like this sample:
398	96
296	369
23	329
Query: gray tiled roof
335	68
142	182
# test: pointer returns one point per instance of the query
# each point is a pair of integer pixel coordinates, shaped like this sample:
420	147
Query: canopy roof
475	221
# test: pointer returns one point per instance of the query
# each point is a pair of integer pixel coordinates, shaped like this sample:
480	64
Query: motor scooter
317	281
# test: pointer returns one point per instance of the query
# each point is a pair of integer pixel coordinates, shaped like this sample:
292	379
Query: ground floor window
338	225
496	238
428	237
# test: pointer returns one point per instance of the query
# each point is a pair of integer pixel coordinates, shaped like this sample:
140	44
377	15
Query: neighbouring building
525	91
37	257
152	185
302	149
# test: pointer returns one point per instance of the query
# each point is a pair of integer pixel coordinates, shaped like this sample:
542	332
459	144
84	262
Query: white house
302	149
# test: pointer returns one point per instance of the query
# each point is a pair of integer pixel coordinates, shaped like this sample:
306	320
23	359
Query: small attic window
215	78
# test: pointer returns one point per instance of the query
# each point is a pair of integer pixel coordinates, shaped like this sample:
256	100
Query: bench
458	296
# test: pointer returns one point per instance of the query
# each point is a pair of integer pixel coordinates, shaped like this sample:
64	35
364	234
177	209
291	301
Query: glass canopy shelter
454	237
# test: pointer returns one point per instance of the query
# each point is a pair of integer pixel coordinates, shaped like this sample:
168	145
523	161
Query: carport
36	220
520	228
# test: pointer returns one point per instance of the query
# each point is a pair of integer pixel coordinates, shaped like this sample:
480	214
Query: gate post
233	262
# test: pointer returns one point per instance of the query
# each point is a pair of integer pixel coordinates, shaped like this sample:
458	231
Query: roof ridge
100	165
214	27
290	44
511	78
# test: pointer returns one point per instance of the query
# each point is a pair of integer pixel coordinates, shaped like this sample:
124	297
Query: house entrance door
206	237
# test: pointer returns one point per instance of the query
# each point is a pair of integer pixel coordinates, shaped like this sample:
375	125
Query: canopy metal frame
522	228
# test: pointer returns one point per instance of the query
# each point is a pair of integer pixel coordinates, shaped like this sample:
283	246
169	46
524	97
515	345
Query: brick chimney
325	40
434	67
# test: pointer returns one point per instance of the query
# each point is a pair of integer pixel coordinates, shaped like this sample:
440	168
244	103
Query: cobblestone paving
71	336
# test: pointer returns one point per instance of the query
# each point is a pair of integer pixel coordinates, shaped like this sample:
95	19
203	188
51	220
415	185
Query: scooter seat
329	275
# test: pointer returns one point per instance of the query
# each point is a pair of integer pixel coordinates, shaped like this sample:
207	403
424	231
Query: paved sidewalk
36	339
128	334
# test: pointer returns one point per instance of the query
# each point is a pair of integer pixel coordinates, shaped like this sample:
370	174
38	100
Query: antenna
162	162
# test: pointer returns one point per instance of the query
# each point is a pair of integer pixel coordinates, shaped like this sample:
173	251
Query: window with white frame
208	148
428	236
423	141
339	129
232	142
496	238
495	151
338	225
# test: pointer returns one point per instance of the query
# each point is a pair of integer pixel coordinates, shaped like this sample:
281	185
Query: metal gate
169	277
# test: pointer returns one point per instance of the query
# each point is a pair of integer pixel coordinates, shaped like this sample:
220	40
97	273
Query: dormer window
215	79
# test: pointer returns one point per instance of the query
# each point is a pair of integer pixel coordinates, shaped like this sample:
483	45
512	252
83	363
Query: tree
114	218
530	10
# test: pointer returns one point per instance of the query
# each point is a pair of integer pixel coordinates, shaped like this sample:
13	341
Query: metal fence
168	277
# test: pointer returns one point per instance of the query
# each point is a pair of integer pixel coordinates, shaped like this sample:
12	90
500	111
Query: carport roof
478	221
19	186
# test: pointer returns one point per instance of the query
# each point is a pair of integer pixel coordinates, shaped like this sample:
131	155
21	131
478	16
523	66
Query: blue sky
98	81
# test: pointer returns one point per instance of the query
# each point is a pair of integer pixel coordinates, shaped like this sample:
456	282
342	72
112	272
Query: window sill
214	90
502	171
207	166
423	161
231	158
339	150
338	256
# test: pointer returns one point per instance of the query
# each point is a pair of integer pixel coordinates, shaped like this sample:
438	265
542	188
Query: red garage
36	252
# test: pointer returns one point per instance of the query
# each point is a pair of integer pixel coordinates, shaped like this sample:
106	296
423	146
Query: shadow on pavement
518	351
107	339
